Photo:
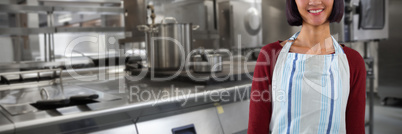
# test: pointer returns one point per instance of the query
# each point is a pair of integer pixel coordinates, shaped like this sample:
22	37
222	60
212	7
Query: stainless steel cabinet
205	121
6	126
234	117
128	129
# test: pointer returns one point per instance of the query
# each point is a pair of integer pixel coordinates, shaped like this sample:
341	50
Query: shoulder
351	52
356	62
272	47
270	52
353	56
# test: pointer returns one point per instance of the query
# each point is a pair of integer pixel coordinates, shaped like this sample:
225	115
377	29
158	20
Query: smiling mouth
315	11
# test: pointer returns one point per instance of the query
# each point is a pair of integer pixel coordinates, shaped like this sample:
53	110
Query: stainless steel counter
6	126
139	98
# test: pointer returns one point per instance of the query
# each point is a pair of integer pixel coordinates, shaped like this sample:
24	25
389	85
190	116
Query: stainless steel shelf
88	10
26	31
89	29
29	65
87	1
24	9
59	9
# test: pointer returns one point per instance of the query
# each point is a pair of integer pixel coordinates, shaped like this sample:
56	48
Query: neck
312	35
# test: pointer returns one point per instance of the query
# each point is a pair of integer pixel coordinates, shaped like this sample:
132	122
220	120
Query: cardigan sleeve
355	109
260	96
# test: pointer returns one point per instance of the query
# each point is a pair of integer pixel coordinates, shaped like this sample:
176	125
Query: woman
309	84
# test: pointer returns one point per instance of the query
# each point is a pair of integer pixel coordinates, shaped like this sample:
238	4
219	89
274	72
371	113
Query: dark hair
294	18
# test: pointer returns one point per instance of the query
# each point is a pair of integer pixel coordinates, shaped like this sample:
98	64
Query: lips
316	11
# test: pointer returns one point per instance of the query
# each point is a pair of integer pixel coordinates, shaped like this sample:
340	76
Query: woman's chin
316	23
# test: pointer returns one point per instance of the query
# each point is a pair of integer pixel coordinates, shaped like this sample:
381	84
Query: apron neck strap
286	48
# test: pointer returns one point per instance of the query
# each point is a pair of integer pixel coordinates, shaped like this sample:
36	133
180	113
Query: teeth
315	11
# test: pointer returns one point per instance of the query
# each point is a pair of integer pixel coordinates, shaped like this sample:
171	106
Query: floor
387	119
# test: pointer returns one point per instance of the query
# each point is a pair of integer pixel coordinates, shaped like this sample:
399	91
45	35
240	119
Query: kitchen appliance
168	43
204	62
239	23
363	20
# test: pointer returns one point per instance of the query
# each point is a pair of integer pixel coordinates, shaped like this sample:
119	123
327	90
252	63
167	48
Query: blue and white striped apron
310	92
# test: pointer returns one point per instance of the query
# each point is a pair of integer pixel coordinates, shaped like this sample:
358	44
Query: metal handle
143	28
188	129
153	16
204	57
44	94
168	18
195	27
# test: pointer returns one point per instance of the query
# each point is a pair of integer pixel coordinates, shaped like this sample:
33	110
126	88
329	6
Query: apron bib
310	92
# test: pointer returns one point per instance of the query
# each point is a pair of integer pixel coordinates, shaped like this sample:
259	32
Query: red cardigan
261	111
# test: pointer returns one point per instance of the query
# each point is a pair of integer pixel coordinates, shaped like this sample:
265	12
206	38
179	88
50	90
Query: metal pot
206	63
168	44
